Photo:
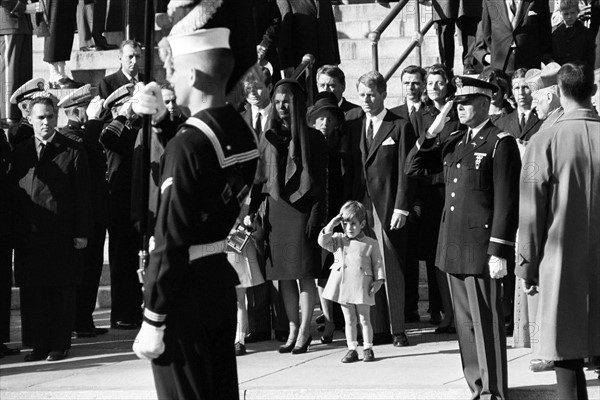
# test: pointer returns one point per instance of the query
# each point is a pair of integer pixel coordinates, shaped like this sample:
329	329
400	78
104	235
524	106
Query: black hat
467	87
325	101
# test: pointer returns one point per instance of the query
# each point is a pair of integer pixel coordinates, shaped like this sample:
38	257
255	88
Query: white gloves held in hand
148	343
94	109
148	100
497	267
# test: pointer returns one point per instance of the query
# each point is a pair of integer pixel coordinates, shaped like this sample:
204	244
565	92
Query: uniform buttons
458	165
455	180
451	208
452	194
486	225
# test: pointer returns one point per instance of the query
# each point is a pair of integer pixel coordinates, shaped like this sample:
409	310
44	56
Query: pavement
106	368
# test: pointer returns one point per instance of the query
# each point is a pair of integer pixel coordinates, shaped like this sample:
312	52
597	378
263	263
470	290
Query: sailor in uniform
481	165
206	172
21	97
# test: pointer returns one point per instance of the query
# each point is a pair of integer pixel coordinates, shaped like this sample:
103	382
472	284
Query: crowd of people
329	202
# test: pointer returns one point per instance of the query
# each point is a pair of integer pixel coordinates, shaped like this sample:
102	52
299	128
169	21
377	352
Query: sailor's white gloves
148	100
148	343
497	267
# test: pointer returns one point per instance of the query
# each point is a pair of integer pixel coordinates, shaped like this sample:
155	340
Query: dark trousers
412	268
91	19
5	288
62	18
16	63
199	361
125	288
570	380
87	290
47	316
481	337
445	31
433	288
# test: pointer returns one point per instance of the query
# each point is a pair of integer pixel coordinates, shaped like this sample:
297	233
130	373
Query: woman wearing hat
326	117
291	176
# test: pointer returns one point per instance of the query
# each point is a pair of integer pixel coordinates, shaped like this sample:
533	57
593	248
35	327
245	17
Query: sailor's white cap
199	40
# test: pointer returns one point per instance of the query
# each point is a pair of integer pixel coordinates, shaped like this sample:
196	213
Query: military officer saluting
481	165
206	172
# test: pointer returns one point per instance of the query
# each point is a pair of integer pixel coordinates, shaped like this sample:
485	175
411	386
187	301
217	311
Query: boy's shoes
240	349
368	355
400	340
351	357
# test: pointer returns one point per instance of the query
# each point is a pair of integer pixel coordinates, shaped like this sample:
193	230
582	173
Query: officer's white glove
94	108
175	4
439	121
497	267
148	99
149	343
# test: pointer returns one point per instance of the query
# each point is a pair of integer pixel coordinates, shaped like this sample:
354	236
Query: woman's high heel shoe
288	347
304	348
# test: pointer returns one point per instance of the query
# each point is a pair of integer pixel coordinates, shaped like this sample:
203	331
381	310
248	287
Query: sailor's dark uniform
206	172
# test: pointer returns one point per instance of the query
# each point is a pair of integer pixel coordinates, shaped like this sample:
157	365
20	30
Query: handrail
305	68
416	42
375	35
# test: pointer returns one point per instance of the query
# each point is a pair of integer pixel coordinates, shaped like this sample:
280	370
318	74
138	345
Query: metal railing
306	68
375	36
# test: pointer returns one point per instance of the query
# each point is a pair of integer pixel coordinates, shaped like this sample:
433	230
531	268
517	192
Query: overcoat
54	206
559	235
307	26
357	263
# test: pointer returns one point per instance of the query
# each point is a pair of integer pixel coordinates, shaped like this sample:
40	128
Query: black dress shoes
368	355
57	355
254	337
350	357
382	338
36	355
65	83
124	325
7	351
400	340
240	349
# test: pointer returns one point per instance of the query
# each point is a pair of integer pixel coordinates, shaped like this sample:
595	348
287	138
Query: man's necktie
370	134
258	126
413	117
513	8
467	139
134	81
42	149
522	122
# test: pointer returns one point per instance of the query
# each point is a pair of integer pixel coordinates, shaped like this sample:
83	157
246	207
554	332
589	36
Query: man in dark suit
523	122
130	56
87	131
16	60
54	212
481	165
378	145
331	78
413	82
514	34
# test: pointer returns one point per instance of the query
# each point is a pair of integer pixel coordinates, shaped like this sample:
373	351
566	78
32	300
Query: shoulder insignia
455	132
225	156
502	135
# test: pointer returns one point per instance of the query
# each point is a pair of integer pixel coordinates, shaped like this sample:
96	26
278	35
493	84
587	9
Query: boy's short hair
569	5
353	209
373	78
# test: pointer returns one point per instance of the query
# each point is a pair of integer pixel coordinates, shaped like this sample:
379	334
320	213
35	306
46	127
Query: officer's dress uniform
118	139
479	220
206	173
93	257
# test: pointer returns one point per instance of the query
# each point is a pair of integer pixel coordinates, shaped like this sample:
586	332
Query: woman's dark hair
444	72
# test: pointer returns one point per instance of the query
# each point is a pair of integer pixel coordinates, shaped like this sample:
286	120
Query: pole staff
146	139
